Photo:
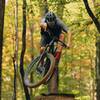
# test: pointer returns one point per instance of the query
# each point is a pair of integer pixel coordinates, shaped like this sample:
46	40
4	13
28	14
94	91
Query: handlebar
62	43
57	40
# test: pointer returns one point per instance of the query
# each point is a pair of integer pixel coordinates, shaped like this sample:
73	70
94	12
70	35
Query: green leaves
75	64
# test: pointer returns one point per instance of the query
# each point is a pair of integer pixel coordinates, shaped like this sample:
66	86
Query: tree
95	20
60	8
2	11
43	4
31	28
23	51
15	58
97	24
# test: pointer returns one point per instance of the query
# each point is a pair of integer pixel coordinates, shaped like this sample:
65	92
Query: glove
68	46
43	26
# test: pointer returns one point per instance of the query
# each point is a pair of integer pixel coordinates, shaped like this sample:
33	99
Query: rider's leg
41	51
59	47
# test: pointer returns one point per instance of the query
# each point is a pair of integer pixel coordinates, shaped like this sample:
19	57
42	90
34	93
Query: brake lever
63	44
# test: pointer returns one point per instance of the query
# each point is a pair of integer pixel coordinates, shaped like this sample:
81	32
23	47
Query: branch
95	20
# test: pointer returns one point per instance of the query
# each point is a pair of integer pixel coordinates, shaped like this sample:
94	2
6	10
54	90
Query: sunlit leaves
75	64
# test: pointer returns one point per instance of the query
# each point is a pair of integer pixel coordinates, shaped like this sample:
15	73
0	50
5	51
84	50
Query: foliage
76	65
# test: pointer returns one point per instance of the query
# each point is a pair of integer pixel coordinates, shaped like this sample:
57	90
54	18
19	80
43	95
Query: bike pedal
40	70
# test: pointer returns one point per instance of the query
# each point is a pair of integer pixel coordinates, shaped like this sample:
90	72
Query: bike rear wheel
39	78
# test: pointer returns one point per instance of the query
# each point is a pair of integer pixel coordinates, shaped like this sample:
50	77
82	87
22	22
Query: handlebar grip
62	43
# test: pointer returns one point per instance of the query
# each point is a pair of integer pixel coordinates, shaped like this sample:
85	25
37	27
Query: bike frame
49	56
50	46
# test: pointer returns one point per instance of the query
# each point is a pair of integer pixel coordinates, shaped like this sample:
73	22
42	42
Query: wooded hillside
77	73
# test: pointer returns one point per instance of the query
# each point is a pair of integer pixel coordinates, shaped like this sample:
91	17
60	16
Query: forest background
77	65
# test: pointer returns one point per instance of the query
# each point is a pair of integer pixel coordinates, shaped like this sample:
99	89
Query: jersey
58	27
54	31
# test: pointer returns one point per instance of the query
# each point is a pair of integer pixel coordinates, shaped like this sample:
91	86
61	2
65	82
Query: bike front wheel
40	69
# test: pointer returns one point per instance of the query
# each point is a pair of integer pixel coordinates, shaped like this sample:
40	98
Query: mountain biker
52	26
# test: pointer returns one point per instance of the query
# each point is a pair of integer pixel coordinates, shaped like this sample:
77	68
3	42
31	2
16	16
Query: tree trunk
15	58
14	91
98	68
43	4
97	55
2	11
53	83
23	50
32	56
31	27
60	8
97	24
95	20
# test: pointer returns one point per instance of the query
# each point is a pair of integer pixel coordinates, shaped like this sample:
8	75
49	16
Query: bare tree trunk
32	48
2	11
46	7
23	51
98	68
53	83
31	28
14	91
43	4
95	20
15	58
97	24
97	58
32	56
60	8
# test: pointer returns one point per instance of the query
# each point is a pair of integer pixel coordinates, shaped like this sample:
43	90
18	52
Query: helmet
50	16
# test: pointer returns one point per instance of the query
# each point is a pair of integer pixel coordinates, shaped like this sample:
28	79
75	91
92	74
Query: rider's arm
69	36
66	30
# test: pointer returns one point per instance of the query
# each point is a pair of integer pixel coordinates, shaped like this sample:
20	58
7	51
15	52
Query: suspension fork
42	55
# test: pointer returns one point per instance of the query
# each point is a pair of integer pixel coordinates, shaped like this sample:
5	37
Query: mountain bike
42	67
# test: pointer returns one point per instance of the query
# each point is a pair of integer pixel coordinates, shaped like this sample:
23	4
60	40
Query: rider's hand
43	26
68	45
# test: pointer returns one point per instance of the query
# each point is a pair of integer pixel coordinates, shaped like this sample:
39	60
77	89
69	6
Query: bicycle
42	67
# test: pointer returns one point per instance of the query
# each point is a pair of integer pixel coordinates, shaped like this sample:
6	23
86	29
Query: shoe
40	70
